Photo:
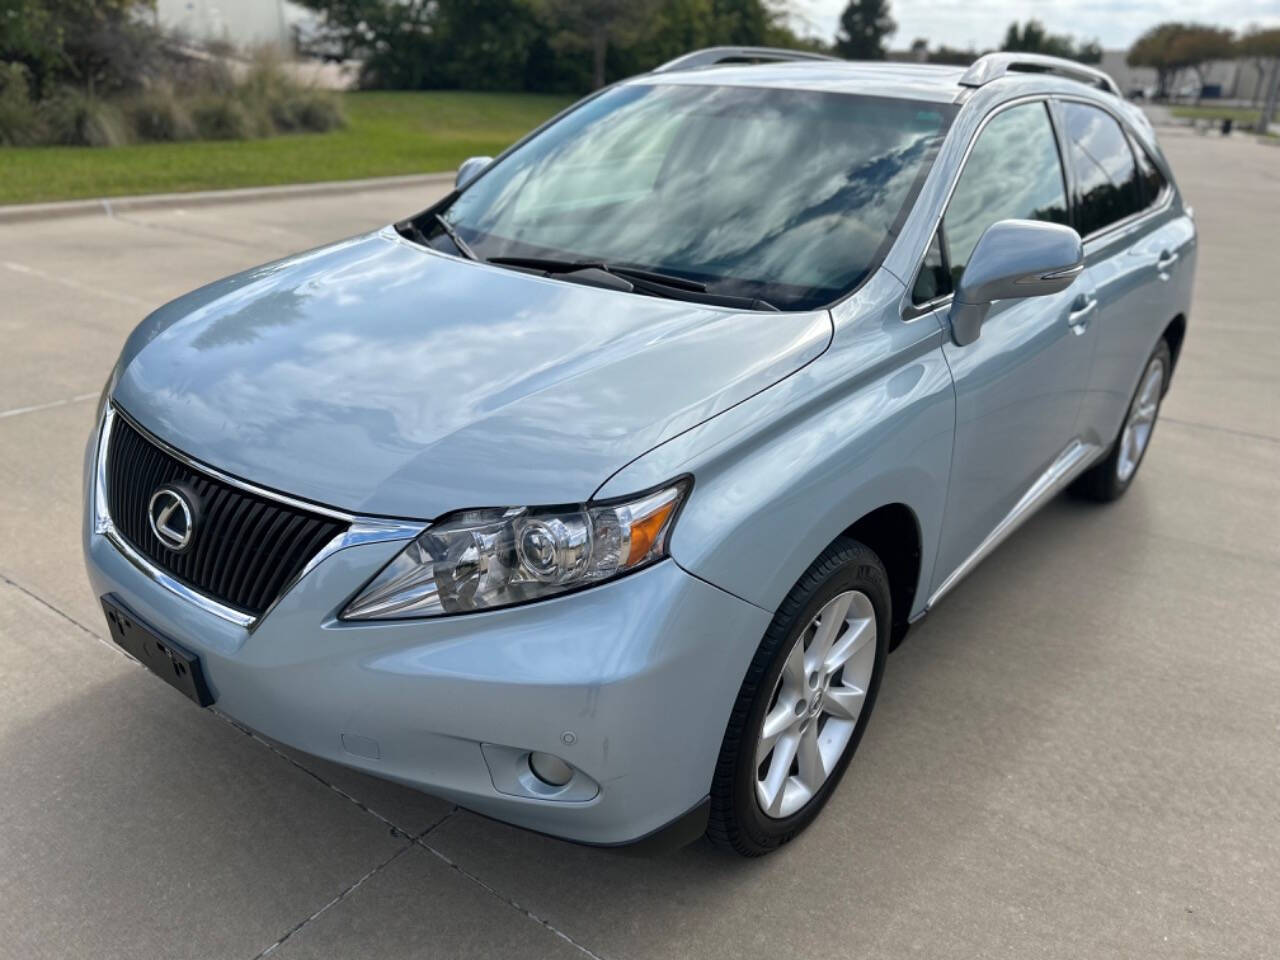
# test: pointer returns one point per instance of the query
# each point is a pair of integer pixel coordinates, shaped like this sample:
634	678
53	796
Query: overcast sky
981	23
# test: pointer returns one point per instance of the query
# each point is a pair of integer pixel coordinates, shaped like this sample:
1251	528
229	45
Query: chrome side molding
1069	464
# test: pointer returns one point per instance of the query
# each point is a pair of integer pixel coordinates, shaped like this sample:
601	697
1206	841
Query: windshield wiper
559	266
452	234
645	281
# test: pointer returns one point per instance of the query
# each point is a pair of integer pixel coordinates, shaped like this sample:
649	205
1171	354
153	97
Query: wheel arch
893	533
1174	334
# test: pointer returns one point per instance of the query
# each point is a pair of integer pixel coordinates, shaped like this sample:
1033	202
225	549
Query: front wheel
1110	477
804	702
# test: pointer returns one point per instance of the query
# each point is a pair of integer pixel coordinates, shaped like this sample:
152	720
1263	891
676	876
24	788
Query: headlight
481	559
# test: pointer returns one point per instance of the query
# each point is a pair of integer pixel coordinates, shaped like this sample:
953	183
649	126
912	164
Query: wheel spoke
853	640
1151	387
777	722
813	771
793	673
772	788
844	702
830	620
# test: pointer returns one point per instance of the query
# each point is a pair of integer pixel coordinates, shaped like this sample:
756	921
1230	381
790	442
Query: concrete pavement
1074	755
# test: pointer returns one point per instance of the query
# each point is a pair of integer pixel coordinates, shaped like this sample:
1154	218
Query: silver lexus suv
593	496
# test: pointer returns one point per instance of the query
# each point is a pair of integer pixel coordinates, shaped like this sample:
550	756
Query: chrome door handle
1078	318
1167	259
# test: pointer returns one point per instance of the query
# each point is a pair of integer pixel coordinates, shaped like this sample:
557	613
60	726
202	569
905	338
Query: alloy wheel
1142	419
816	704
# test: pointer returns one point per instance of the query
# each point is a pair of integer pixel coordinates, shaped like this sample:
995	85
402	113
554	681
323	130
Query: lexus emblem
172	513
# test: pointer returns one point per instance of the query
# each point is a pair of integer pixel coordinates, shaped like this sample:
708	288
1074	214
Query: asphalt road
1076	755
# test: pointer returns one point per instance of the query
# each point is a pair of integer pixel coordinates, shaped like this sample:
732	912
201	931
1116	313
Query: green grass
387	133
1239	115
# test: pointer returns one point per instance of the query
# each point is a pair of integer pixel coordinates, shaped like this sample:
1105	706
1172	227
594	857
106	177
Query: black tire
1102	481
736	821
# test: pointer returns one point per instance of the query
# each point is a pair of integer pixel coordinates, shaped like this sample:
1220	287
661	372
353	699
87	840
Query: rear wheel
804	702
1110	477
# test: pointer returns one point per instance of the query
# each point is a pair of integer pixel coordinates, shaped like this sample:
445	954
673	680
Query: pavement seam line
72	284
1247	434
166	228
492	891
65	616
258	738
335	901
253	735
37	407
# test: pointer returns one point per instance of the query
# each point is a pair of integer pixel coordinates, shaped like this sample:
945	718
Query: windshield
786	196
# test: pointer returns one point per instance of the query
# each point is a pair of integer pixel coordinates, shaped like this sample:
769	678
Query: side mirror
470	169
1013	259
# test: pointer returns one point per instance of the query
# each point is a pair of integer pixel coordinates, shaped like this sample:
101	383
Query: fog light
550	769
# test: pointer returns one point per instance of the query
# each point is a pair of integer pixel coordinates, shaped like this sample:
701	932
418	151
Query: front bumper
631	682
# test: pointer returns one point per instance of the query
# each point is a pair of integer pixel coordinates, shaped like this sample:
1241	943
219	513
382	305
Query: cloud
981	23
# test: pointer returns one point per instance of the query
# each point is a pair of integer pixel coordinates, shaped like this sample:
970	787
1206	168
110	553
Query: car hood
383	378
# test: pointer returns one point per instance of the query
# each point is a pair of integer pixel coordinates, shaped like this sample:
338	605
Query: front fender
778	477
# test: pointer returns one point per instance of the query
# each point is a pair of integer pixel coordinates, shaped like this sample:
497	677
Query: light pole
284	28
1273	90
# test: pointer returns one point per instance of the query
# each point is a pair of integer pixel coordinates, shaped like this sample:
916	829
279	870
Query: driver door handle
1166	260
1081	312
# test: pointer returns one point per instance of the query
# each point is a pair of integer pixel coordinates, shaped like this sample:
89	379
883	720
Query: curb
107	206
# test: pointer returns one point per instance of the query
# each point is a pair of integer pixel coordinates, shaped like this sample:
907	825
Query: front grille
245	548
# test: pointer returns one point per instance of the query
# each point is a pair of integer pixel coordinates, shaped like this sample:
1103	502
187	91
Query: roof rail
991	66
711	56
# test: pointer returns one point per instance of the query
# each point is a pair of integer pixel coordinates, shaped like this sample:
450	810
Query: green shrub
306	110
266	81
73	118
221	118
159	115
318	112
284	105
258	114
286	114
195	99
20	122
194	77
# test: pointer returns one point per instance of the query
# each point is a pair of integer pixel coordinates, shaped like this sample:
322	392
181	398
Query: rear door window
1152	180
1106	176
1013	172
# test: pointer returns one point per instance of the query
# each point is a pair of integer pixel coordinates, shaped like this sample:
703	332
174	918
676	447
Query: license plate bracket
170	661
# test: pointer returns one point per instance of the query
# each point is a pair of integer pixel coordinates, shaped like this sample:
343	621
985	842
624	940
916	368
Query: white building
242	23
1236	79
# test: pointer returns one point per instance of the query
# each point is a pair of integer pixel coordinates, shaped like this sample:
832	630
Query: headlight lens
481	559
